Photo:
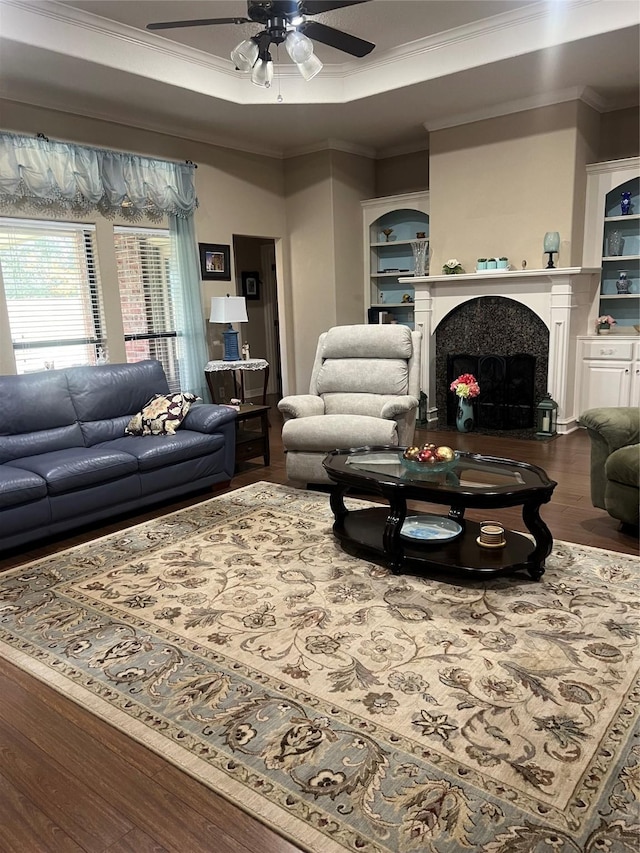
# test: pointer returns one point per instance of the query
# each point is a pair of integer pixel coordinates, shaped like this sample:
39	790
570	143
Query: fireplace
536	313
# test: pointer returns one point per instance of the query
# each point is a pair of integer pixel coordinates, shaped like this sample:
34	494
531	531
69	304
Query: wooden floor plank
91	821
136	841
153	799
24	828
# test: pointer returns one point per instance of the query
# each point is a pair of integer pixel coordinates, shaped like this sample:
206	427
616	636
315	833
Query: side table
252	442
237	367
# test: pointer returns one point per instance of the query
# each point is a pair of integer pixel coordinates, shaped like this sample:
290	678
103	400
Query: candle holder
551	246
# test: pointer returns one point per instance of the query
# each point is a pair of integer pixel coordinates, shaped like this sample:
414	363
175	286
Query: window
147	299
52	288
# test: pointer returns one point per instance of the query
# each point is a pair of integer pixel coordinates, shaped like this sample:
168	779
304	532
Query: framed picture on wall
215	261
251	285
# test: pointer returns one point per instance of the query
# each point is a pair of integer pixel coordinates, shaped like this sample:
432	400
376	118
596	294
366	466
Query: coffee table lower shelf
365	528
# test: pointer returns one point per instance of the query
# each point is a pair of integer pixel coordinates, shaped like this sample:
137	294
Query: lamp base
551	265
231	352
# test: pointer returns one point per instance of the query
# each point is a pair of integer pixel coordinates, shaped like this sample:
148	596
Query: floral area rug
348	708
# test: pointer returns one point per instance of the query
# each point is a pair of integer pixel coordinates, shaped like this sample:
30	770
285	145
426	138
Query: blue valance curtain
61	177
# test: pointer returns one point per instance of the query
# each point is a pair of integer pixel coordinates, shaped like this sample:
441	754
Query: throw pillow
162	415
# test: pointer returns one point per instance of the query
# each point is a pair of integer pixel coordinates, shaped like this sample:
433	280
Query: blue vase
464	415
625	203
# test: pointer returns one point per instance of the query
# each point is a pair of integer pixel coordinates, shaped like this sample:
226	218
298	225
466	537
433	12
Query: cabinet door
635	385
605	383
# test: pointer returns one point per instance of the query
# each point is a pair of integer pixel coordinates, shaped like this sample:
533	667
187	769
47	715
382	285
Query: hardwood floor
69	782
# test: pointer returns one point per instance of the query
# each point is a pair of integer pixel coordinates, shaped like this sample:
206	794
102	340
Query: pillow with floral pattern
162	415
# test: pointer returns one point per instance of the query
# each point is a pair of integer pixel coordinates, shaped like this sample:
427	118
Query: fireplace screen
507	389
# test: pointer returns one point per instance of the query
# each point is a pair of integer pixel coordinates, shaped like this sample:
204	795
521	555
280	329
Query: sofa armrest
398	407
208	417
609	429
301	406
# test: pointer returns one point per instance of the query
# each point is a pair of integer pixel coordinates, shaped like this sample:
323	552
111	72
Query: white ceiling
436	63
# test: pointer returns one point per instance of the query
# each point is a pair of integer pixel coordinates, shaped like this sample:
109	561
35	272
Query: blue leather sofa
65	460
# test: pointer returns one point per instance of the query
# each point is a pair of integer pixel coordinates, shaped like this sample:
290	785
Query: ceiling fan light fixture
262	72
298	46
244	55
310	67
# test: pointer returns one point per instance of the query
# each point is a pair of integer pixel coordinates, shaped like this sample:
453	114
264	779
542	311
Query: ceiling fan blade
336	38
202	22
315	7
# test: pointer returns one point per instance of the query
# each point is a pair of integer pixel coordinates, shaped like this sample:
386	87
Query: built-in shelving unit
389	257
612	239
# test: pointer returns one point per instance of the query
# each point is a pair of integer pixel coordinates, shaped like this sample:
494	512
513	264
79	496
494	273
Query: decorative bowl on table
429	459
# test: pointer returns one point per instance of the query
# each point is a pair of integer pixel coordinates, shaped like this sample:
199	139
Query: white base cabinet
608	371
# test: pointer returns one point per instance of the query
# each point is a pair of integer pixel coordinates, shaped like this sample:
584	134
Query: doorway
256	279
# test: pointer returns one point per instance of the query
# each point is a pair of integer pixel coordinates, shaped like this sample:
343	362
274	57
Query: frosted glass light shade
245	54
310	67
298	46
228	309
262	73
552	241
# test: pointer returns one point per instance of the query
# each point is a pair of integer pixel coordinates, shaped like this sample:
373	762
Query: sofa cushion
156	451
332	432
43	441
18	486
110	390
162	415
78	467
34	402
623	466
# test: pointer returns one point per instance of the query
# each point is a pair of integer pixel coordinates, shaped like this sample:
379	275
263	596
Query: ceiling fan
283	21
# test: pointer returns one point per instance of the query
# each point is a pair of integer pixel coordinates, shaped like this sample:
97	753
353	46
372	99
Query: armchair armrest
208	417
618	427
301	406
609	429
398	406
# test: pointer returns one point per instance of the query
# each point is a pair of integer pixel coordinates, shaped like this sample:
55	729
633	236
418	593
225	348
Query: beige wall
498	185
352	180
406	173
323	193
619	135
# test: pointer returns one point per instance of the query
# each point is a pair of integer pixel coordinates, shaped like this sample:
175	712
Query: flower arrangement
465	385
452	267
605	322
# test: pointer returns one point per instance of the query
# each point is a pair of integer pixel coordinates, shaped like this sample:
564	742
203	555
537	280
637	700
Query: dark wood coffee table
473	481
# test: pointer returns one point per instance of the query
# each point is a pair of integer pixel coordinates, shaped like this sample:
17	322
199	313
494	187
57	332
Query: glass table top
469	472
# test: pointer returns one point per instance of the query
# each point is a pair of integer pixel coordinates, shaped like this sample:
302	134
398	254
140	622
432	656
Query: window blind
147	299
53	293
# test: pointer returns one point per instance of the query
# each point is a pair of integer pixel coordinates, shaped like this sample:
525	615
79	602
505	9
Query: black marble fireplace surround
506	346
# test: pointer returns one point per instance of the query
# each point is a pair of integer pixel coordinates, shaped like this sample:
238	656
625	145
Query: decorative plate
430	528
429	467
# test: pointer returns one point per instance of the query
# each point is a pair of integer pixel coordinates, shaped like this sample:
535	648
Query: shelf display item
623	283
419	249
625	203
615	242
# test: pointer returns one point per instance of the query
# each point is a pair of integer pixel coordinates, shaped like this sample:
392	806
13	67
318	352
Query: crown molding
331	145
546	99
168	129
400	150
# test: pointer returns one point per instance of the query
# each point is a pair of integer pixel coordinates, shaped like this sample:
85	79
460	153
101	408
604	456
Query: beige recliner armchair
364	390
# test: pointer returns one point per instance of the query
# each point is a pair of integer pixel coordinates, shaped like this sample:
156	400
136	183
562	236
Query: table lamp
229	309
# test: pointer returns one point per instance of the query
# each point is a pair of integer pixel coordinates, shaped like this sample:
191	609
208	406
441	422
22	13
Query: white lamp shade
298	46
245	54
310	67
262	73
228	309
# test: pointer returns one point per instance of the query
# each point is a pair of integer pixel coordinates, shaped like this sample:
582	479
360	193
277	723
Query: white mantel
565	299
